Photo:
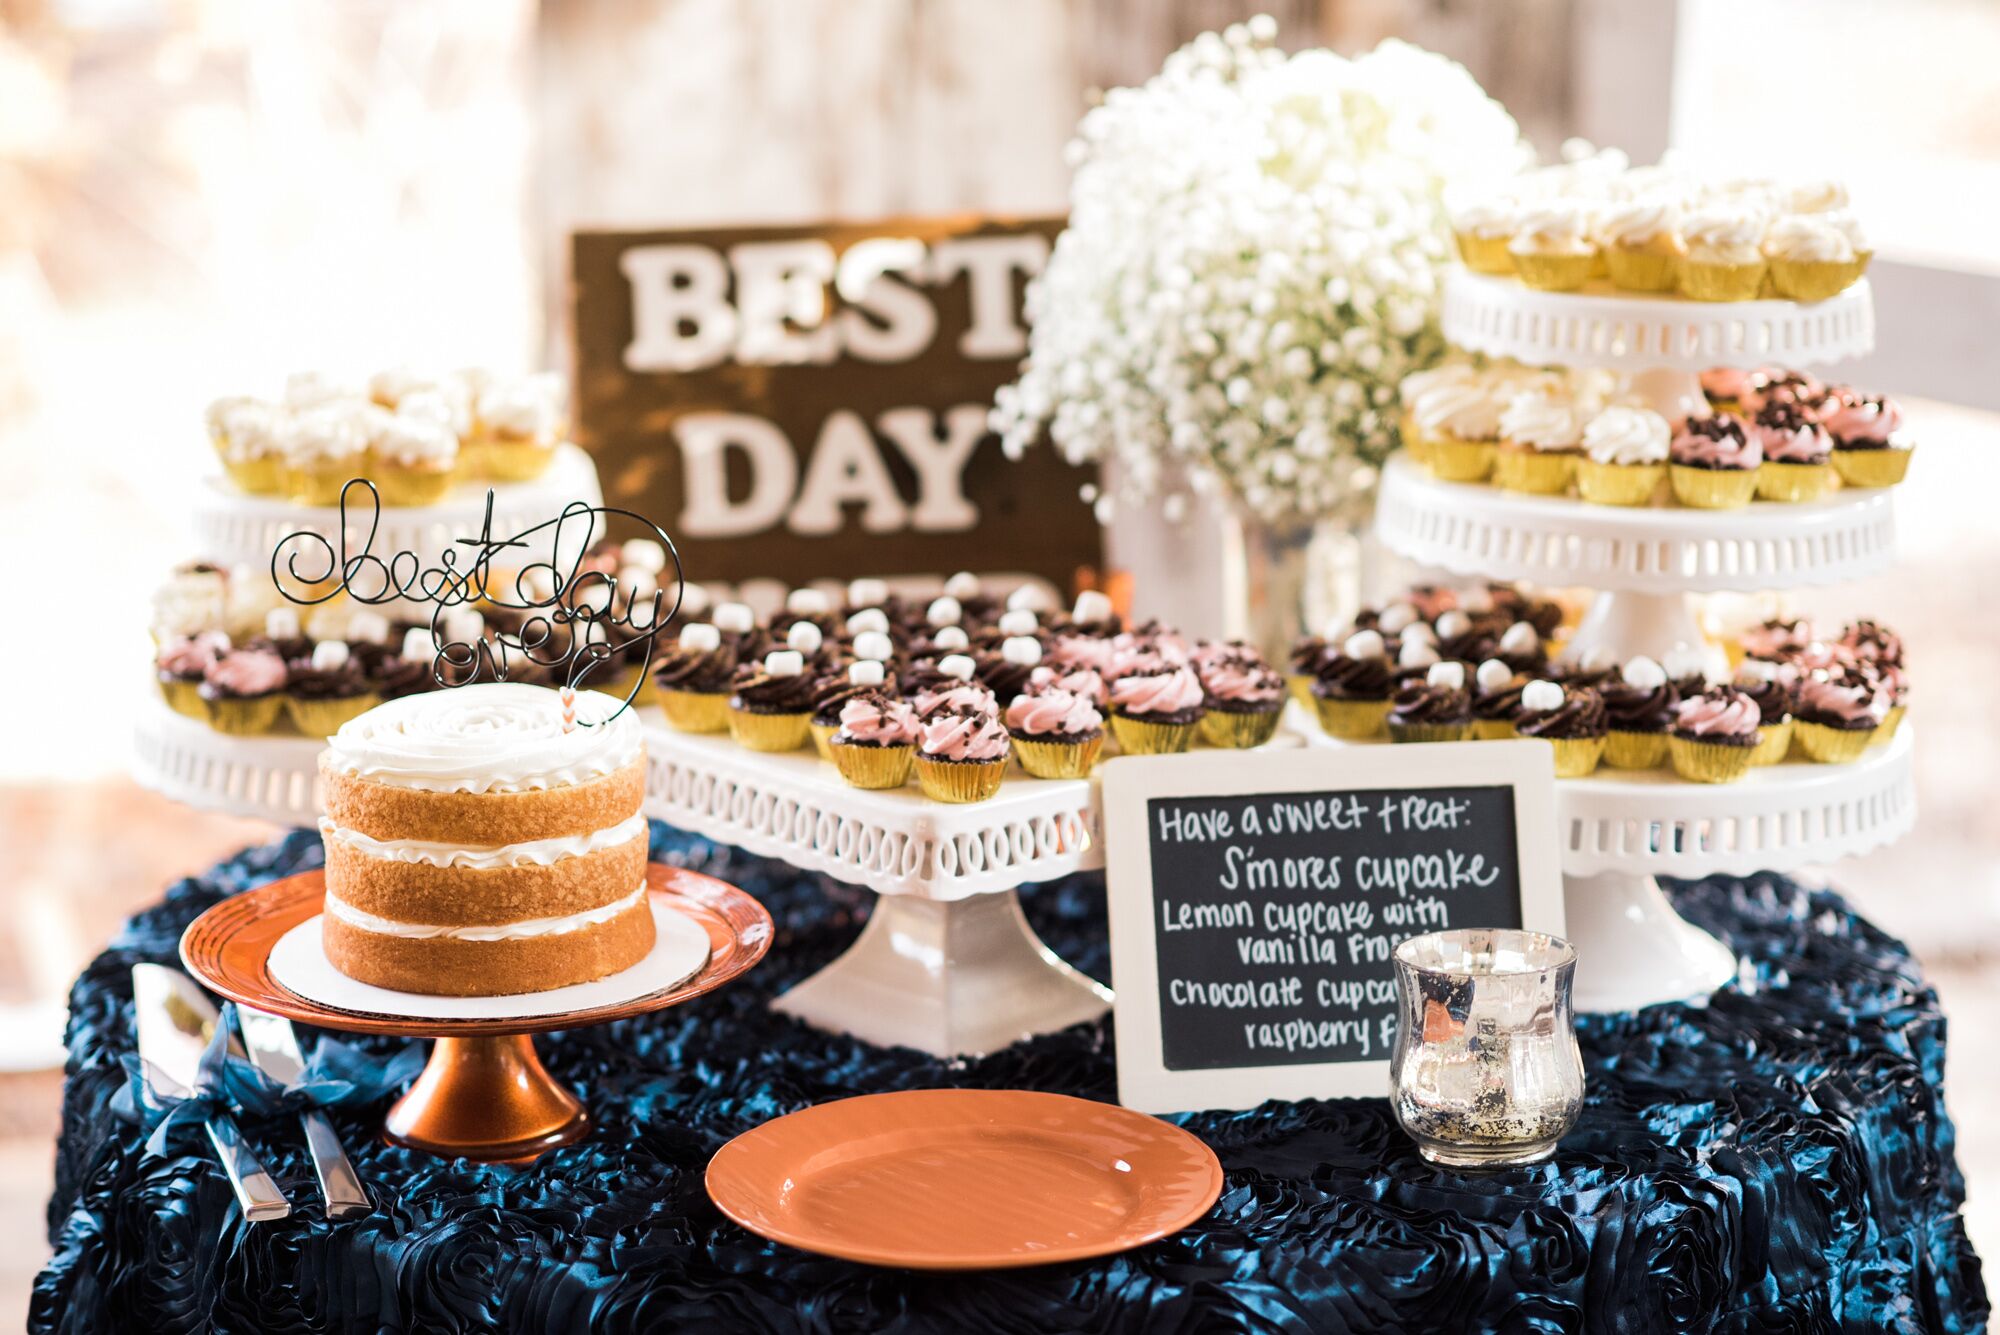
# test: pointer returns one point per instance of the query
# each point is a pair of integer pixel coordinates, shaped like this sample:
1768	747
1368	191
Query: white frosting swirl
418	441
1462	410
1634	222
528	853
1728	235
529	407
1817	197
1628	436
503	931
1541	422
494	737
1555	228
1804	238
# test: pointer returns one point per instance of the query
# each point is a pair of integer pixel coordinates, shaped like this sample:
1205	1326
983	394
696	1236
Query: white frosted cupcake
1482	229
1724	261
249	438
1624	456
1552	249
1540	443
517	426
1412	387
1460	428
1640	243
414	460
1810	258
325	447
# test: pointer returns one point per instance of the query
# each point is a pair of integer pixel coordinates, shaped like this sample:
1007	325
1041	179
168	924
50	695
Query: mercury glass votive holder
1486	1071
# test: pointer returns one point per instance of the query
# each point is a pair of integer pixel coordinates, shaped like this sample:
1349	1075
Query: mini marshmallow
1453	624
1416	654
1417	632
463	625
868	621
956	665
1364	644
694	600
1448	676
1684	660
329	655
594	596
1642	673
1091	607
1541	696
417	643
1493	675
1597	658
867	593
538	583
807	603
1520	640
951	638
784	663
1024	650
701	637
1030	598
638	582
1476	600
963	585
1020	621
1394	617
875	645
1750	669
643	554
281	623
735	618
370	626
805	637
866	672
944	611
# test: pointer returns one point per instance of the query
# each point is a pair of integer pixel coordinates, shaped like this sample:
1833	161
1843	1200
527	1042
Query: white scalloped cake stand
232	528
265	778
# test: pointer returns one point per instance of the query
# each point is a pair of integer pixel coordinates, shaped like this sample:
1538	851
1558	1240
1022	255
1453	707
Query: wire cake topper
571	618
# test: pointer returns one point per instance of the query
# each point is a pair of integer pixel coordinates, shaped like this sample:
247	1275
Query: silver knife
176	1020
274	1050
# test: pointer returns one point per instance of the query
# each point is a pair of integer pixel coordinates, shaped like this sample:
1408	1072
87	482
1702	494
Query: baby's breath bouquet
1252	263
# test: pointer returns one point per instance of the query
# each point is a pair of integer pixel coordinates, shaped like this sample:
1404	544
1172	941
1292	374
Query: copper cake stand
484	1094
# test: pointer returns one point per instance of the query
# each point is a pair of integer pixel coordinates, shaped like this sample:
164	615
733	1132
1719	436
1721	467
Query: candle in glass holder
1486	1071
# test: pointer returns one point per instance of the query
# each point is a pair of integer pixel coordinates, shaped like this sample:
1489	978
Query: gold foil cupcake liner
1540	472
822	735
323	718
1710	762
509	460
1640	270
241	717
1576	757
1872	468
874	766
1239	732
1146	737
323	485
1794	482
1713	488
1455	460
266	476
1705	280
1485	254
1352	720
1890	722
1831	746
1427	732
1058	760
1414	441
1813	280
1618	484
1492	730
1554	273
960	781
399	485
696	711
1300	684
184	698
769	732
1774	743
1635	750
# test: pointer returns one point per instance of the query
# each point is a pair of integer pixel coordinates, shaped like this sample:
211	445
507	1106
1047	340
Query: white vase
1284	580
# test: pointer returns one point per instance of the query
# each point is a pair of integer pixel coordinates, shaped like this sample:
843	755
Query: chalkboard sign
1255	901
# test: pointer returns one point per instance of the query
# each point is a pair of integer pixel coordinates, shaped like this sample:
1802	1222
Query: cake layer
384	811
457	967
494	737
529	853
418	892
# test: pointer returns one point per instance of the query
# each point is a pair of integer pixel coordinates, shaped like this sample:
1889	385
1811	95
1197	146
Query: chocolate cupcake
1496	700
694	676
1436	709
830	693
770	703
1521	647
327	689
1243	697
1771	687
1156	709
1351	692
1714	735
412	670
1834	720
1461	638
1639	706
1571	719
1008	672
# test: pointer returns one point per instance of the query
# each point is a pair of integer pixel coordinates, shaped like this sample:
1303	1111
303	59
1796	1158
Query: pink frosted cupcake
1156	708
1242	699
1082	681
1714	463
1867	451
243	691
955	691
182	664
1834	720
1797	453
961	756
1724	387
1714	736
1057	734
876	741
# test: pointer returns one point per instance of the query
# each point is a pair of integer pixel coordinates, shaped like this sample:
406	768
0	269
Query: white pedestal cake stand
1622	829
947	963
264	778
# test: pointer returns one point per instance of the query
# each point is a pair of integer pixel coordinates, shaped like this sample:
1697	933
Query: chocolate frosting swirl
1421	702
705	670
1503	705
1581	714
762	692
341	683
1344	678
1630	708
1774	699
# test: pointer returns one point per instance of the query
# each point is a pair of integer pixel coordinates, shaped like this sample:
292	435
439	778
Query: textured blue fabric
1778	1160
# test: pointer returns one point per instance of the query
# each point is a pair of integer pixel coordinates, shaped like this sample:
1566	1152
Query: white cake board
299	964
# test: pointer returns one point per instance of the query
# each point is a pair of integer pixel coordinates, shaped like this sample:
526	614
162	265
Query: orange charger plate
484	1093
965	1179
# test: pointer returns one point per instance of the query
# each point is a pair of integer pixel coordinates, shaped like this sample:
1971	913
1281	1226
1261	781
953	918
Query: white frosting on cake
497	737
529	853
504	931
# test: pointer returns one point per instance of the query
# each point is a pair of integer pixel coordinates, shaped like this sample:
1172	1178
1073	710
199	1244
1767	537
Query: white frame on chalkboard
1144	1082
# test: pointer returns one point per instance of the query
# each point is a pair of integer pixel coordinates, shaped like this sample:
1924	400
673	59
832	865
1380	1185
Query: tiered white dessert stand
271	777
1620	829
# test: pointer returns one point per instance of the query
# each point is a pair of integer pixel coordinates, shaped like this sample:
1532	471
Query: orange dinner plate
964	1179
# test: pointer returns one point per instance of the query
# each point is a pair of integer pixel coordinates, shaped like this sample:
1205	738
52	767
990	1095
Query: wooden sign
1255	900
810	403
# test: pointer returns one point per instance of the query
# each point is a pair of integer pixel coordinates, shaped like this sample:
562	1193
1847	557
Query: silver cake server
274	1050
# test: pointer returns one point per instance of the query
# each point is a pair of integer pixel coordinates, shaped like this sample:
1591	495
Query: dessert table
1777	1159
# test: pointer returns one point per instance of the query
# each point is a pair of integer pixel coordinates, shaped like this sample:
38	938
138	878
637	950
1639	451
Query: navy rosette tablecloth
1778	1160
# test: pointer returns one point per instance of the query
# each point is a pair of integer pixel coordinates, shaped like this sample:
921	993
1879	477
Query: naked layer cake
475	848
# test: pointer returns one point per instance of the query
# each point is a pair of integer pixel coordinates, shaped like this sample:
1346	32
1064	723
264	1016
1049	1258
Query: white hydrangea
1251	265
